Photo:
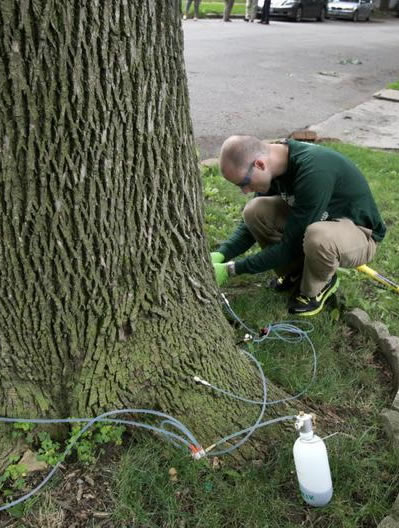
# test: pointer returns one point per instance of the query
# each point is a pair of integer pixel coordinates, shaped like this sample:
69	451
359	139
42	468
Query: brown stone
303	135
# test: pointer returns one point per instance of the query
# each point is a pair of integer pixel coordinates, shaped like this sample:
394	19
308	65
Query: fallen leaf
79	493
89	480
173	474
31	463
101	515
72	474
88	496
215	463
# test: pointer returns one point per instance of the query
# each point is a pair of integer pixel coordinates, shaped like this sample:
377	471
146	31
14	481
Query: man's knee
250	211
265	207
317	238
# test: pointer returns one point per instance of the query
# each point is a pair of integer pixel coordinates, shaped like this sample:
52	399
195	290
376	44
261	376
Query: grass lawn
393	85
216	8
352	385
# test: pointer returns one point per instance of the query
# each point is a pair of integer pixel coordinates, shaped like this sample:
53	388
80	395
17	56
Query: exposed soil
79	497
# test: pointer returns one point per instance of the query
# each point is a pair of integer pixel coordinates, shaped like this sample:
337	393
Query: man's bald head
237	154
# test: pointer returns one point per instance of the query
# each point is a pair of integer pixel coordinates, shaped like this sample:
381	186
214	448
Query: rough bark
107	295
384	5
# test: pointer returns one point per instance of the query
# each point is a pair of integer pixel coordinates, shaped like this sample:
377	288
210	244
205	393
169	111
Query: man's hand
217	258
221	273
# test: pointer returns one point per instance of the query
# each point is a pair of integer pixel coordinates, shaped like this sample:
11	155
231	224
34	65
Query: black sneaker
287	282
303	305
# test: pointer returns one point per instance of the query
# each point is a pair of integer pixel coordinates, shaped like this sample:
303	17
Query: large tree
107	293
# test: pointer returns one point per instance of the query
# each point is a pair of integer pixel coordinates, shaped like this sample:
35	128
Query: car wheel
355	17
298	14
322	15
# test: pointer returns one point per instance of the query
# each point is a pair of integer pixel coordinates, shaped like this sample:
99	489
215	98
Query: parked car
297	9
353	9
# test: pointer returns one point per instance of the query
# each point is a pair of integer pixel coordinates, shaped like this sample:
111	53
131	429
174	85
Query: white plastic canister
313	469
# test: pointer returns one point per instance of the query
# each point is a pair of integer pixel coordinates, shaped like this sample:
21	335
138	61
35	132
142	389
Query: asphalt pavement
271	80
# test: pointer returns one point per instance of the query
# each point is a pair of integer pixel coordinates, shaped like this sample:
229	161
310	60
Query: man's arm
238	243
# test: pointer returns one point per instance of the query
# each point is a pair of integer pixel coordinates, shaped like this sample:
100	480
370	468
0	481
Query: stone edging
389	347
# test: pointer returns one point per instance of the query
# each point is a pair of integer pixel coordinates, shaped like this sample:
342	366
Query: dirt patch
78	497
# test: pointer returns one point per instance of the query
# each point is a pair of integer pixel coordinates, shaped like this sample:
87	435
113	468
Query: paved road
269	80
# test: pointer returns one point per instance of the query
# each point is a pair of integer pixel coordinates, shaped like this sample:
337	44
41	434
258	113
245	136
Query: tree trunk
384	5
107	293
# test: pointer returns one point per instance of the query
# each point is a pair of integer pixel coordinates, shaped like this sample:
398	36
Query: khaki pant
326	245
251	7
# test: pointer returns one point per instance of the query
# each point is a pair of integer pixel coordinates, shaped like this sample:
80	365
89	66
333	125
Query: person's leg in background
228	6
253	10
196	9
265	12
247	6
188	5
251	7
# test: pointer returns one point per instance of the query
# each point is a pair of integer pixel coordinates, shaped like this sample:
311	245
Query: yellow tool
380	278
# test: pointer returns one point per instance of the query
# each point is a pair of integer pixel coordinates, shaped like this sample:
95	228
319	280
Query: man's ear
259	163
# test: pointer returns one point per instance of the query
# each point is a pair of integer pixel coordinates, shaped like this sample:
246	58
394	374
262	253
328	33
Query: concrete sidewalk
373	124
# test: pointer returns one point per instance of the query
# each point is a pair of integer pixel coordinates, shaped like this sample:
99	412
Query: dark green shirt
319	184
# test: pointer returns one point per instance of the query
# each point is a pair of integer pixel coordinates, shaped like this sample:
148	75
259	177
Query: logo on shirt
324	216
289	198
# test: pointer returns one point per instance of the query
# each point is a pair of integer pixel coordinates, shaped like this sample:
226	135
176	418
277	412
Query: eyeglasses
247	178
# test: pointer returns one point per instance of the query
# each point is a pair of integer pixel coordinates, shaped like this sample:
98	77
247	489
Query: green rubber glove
221	273
217	258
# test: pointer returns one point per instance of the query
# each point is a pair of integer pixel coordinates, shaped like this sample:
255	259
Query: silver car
352	9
